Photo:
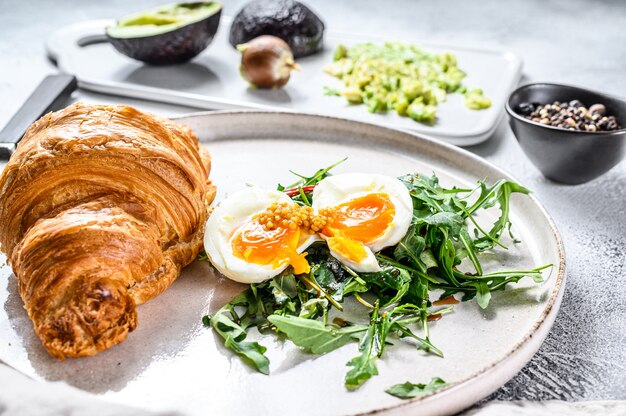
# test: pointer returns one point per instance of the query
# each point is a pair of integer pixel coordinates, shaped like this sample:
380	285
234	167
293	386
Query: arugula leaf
234	338
284	288
446	257
325	277
390	279
483	295
409	390
313	308
410	248
449	220
371	346
428	196
364	365
315	178
428	259
500	194
355	285
492	282
417	292
470	250
202	256
313	335
423	344
250	351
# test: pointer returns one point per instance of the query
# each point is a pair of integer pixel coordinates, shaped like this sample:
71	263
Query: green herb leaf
468	244
364	365
355	285
232	329
409	390
331	91
483	295
393	283
251	351
234	336
313	335
389	277
428	259
371	346
315	178
410	248
500	194
325	276
202	256
450	220
284	288
423	344
313	308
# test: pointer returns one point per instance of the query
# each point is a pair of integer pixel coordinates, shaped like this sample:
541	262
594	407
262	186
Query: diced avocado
166	34
475	100
353	95
340	52
401	77
401	105
421	112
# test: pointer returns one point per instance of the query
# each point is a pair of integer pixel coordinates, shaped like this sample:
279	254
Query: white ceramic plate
171	362
212	81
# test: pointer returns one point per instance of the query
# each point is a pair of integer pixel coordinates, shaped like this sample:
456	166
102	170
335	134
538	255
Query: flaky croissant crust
100	208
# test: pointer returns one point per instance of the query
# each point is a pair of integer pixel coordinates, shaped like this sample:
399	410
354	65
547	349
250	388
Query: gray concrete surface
569	41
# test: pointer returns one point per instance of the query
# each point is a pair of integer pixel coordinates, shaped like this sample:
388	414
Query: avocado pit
267	62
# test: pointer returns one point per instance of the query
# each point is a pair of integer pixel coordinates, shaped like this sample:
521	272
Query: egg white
337	189
233	212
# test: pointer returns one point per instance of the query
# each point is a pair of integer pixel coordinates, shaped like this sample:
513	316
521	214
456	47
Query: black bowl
568	156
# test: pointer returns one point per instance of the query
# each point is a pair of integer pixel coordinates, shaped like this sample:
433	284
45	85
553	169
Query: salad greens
307	308
400	77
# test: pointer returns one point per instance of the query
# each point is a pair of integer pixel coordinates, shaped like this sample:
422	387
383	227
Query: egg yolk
357	222
363	219
255	243
350	249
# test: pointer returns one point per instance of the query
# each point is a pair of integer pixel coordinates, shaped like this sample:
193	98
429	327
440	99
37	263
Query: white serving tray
212	81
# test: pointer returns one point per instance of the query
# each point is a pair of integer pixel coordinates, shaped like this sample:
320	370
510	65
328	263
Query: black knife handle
51	93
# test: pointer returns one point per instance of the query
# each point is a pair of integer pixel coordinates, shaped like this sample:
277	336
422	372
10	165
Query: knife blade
50	95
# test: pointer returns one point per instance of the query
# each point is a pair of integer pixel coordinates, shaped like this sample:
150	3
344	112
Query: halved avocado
168	34
289	20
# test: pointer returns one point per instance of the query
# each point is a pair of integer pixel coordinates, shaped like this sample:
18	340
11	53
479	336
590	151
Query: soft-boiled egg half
254	234
366	213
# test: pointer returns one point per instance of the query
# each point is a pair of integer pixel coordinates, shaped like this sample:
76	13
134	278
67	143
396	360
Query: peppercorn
570	116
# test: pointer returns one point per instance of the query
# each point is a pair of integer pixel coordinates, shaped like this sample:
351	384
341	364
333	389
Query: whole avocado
289	20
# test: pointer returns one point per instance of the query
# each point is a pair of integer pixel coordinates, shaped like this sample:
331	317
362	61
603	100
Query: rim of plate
560	277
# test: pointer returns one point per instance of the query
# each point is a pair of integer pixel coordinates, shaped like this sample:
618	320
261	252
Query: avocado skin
177	46
289	20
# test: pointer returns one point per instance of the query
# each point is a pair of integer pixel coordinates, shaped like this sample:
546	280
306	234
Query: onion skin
266	62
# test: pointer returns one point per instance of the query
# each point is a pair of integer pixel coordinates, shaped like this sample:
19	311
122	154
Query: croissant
100	208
